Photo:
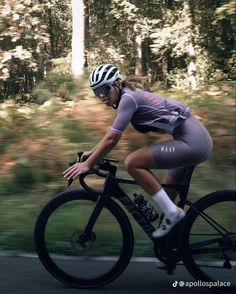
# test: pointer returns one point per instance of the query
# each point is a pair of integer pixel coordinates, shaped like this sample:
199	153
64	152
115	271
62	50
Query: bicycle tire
41	247
224	197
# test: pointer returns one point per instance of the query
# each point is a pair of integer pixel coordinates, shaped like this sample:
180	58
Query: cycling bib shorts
191	145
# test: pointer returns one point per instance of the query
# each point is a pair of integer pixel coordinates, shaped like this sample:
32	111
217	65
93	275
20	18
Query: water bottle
145	208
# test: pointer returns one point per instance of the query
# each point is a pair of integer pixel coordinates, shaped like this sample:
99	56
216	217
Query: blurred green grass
37	141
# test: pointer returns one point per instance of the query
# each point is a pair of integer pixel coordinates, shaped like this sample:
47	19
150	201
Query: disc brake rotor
81	242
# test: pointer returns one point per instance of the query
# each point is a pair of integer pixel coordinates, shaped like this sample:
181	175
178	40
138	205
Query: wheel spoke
208	242
83	258
203	243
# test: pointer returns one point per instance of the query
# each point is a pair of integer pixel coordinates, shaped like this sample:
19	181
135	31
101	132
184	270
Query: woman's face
110	97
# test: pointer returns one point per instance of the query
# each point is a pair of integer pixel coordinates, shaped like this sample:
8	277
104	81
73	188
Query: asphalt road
26	275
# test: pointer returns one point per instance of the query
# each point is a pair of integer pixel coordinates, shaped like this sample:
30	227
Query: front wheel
92	263
208	241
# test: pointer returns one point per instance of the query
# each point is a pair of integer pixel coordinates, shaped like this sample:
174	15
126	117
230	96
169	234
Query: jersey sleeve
126	109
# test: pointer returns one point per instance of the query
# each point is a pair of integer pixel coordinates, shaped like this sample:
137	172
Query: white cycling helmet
105	74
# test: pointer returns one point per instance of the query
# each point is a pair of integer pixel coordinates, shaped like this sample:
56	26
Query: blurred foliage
54	85
37	141
72	129
23	39
36	37
227	10
214	36
46	116
166	27
31	34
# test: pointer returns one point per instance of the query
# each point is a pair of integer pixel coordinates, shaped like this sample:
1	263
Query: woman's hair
133	82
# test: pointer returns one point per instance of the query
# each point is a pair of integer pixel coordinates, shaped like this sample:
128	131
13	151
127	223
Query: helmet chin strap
117	88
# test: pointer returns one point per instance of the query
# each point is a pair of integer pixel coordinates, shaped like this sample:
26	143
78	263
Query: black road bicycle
84	238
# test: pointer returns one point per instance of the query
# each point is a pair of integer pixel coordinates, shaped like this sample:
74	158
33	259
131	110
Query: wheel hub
82	242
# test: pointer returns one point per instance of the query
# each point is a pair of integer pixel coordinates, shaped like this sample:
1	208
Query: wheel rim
68	261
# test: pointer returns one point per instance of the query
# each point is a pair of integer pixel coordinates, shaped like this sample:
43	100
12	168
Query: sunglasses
102	90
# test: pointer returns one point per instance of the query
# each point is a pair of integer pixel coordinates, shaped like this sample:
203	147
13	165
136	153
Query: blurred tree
194	41
23	37
32	33
104	41
57	16
132	23
180	42
214	30
173	45
77	62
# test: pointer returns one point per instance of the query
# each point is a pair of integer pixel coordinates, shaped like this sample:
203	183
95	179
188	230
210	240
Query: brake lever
105	163
79	154
69	182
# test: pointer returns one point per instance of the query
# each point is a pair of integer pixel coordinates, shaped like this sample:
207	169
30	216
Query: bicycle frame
176	248
111	187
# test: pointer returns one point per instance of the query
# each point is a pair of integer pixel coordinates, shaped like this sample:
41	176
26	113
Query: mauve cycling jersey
147	111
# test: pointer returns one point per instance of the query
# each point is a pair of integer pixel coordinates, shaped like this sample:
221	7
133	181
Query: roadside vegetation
182	49
37	141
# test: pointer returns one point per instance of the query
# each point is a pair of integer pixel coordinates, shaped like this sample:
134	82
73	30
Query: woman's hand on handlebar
76	170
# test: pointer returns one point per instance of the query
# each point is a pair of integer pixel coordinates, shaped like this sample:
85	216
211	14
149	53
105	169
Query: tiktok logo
175	284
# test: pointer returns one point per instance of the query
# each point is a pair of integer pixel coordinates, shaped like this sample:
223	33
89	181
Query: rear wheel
78	260
208	241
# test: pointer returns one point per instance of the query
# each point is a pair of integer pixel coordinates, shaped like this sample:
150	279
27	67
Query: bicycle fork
87	233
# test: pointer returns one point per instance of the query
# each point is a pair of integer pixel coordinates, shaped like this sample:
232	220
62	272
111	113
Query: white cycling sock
165	202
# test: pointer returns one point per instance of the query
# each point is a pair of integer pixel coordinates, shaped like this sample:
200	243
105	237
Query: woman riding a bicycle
146	111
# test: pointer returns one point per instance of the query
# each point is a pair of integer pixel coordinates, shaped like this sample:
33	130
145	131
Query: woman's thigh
141	158
165	155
